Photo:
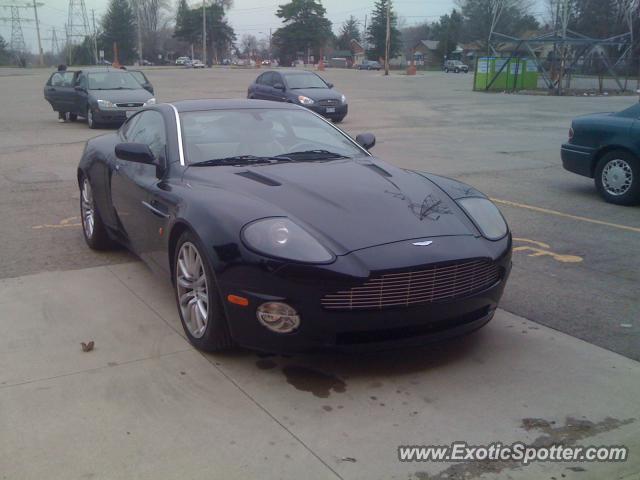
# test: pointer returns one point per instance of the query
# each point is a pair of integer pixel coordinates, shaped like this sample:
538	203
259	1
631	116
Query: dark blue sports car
606	147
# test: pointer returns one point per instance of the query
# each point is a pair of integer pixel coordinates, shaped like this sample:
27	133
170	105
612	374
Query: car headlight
344	99
486	217
305	100
105	104
151	101
282	238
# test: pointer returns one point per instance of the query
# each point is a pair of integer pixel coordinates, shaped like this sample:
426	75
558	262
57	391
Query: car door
259	90
80	97
277	94
68	92
52	92
132	184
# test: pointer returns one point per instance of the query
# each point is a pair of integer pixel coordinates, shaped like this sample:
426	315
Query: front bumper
113	115
577	159
303	286
333	112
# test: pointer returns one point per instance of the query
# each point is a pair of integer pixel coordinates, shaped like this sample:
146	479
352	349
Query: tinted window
304	80
139	76
260	79
268	79
216	134
149	129
112	80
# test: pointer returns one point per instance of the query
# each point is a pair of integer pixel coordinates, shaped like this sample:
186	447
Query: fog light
278	317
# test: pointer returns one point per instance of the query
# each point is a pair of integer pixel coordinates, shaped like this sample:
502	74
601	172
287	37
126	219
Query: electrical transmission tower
17	36
77	26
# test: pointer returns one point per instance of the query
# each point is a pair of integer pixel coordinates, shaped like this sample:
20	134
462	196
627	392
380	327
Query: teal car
606	147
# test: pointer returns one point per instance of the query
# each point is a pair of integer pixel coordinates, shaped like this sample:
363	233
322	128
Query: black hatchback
302	88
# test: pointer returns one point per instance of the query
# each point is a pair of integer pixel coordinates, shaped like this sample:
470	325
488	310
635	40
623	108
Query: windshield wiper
241	160
318	154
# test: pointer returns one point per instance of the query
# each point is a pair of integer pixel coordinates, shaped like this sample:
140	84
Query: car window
215	134
139	76
67	79
268	79
57	79
112	80
149	129
305	80
127	128
260	79
81	81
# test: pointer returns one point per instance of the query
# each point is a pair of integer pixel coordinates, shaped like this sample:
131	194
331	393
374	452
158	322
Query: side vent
256	177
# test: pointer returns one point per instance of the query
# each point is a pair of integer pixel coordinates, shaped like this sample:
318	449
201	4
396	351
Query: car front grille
129	105
329	103
433	284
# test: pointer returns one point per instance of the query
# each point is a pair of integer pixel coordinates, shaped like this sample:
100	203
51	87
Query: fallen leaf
87	347
348	459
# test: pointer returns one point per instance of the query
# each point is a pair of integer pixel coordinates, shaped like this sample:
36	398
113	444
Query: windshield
110	80
304	80
221	134
139	77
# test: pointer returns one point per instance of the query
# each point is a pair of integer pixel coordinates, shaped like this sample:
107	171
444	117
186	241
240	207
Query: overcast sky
255	17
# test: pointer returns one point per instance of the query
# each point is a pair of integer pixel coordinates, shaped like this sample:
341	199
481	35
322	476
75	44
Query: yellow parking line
566	215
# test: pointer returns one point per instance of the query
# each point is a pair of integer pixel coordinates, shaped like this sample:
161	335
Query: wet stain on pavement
314	381
327	408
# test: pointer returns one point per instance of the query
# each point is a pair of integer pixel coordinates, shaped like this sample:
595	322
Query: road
576	265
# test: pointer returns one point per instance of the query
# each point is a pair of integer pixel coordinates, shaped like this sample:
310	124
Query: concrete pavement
144	404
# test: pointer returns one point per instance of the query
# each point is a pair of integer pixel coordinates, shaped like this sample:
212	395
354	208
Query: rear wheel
446	70
617	178
94	231
198	297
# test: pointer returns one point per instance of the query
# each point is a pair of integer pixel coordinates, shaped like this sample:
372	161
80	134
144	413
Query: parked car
303	88
101	95
143	80
606	147
266	62
182	60
369	65
196	64
281	233
455	66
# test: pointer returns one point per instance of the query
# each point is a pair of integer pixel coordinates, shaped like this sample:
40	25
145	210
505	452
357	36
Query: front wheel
90	120
617	178
94	231
198	298
446	70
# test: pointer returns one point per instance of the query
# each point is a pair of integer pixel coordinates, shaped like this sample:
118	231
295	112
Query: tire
338	120
446	70
208	331
90	121
93	229
457	70
73	117
617	178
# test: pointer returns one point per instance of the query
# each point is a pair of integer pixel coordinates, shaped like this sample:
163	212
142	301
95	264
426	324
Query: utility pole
388	40
204	32
364	35
95	34
35	14
139	22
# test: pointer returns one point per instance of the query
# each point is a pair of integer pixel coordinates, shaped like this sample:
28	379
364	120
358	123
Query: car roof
294	72
106	68
233	104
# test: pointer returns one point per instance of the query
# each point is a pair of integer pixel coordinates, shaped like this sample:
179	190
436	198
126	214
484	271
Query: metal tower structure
17	36
77	26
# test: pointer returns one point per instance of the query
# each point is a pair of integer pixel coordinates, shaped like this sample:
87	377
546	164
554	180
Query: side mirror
135	152
278	86
366	140
329	84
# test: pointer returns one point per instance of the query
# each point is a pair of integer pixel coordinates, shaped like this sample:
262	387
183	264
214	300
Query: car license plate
128	113
331	110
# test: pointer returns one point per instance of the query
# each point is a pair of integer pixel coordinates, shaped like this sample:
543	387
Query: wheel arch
604	151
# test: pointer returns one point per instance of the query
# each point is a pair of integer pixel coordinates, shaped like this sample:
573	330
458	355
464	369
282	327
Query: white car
182	60
197	64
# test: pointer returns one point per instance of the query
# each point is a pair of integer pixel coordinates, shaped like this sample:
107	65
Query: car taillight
571	133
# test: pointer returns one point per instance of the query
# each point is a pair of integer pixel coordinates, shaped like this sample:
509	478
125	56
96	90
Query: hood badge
426	243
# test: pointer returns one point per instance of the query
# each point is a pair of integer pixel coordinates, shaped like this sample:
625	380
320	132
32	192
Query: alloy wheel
88	210
617	177
193	293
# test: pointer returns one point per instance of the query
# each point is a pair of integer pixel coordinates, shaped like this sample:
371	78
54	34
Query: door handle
156	211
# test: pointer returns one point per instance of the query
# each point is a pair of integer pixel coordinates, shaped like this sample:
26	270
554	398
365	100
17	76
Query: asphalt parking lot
564	348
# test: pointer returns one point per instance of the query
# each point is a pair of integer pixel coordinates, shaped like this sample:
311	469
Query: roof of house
430	44
356	47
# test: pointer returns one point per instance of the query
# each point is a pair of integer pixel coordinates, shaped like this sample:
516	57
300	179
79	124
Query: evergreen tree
350	30
448	31
306	29
4	52
377	32
119	26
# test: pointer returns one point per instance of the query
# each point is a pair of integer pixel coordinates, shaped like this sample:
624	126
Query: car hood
318	93
121	96
350	204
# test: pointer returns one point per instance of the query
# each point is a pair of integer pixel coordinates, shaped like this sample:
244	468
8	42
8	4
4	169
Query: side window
149	129
268	79
81	81
277	79
68	79
260	79
57	79
128	127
